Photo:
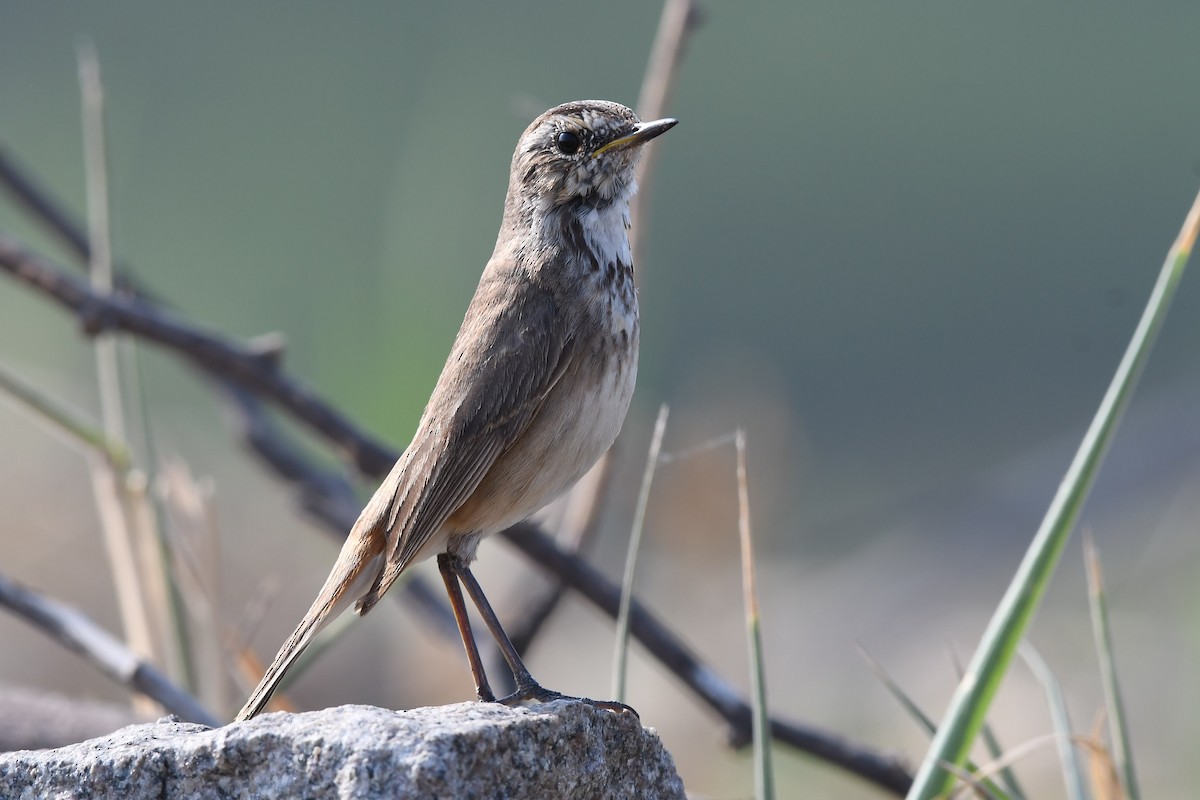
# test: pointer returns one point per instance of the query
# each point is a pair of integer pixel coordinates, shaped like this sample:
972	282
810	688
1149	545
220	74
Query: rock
564	749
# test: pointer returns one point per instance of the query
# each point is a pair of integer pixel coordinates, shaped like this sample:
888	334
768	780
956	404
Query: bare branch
253	369
42	207
77	632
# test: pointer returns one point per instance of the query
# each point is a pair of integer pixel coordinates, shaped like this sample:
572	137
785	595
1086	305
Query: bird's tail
355	571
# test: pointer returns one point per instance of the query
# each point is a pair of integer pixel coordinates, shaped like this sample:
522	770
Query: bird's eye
568	143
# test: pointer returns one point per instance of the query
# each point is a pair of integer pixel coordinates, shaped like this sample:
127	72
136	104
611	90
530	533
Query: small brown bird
534	391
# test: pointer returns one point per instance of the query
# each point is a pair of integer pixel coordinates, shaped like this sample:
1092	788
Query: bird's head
581	152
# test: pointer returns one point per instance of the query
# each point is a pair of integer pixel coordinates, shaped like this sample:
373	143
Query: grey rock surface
472	751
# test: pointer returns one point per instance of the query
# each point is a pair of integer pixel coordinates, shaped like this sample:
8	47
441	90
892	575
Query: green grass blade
926	722
64	419
1118	730
1072	768
970	702
764	775
897	692
992	743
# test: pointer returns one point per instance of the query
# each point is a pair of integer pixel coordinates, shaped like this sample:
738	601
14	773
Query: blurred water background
902	244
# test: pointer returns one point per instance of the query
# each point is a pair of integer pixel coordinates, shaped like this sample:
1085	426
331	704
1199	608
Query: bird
534	391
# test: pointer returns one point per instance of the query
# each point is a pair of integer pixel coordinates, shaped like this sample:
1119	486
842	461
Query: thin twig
78	633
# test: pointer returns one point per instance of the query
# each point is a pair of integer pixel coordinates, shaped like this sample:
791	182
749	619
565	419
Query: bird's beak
640	135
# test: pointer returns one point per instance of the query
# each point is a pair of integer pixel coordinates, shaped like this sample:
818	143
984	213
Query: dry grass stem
764	775
196	567
679	20
973	781
114	499
621	652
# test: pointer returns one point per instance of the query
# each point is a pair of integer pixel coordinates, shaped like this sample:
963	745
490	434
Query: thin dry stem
679	20
143	525
1102	767
196	569
697	449
973	781
113	501
764	778
621	650
749	587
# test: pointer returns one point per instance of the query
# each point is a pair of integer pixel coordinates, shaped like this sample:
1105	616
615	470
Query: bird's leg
527	687
446	565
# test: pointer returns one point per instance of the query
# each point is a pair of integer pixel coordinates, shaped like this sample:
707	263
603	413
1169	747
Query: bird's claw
536	693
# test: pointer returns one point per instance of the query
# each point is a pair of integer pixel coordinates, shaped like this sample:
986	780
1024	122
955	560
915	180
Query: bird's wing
508	355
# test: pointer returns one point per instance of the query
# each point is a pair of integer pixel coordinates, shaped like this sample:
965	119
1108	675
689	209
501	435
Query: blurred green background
903	244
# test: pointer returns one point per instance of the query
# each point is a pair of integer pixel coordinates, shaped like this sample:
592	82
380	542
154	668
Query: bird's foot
534	692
